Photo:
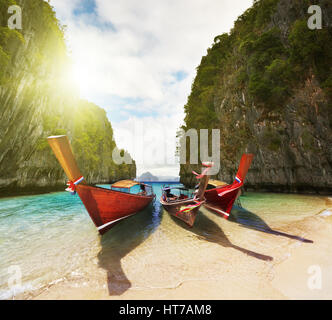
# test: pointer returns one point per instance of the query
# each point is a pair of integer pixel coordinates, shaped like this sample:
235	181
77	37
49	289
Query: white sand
221	265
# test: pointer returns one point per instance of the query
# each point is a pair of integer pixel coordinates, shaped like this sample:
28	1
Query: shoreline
230	275
9	193
39	190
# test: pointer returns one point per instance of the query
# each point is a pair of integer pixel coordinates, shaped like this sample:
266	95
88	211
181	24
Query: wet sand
216	259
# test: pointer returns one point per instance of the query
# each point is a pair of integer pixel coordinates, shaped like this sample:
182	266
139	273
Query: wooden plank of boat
106	207
124	184
217	183
221	198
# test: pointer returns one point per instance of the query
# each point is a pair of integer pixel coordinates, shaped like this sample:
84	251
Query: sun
76	77
84	73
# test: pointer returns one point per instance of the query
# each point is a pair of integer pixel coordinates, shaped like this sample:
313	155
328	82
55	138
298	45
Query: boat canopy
125	184
217	183
176	188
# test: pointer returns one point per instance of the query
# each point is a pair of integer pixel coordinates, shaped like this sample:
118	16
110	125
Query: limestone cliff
267	85
38	100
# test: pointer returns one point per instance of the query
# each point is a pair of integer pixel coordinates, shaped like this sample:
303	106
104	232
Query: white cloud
151	142
132	50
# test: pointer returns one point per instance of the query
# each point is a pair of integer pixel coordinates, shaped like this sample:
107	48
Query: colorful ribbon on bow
72	185
199	176
208	165
189	207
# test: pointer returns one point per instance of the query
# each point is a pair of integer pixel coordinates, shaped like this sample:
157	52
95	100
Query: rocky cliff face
267	86
37	100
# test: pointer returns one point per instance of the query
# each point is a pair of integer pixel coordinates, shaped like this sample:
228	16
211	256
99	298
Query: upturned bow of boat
106	207
220	196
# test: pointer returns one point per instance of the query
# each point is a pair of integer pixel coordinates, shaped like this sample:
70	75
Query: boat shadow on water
250	220
121	240
208	230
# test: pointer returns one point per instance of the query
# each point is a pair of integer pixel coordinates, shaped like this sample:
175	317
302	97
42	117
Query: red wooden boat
106	207
183	206
221	196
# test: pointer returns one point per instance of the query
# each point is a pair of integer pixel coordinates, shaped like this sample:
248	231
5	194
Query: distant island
148	176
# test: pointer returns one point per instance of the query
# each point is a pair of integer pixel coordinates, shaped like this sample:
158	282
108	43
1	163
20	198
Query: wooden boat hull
221	204
186	209
222	198
174	209
107	207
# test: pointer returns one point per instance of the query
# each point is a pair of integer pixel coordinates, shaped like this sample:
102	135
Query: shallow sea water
50	238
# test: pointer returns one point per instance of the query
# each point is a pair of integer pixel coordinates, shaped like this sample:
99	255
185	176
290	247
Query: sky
137	60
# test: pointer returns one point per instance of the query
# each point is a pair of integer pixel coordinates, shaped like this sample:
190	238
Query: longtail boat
184	206
221	196
106	207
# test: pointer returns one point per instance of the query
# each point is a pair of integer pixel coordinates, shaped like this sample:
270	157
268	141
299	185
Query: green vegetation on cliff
38	100
267	84
268	64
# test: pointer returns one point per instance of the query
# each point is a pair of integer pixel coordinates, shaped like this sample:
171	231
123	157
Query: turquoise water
50	237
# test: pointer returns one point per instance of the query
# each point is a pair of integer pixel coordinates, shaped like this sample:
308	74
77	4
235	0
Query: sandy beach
226	260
